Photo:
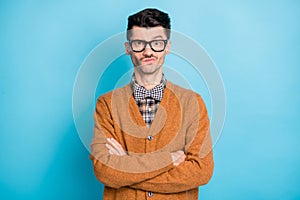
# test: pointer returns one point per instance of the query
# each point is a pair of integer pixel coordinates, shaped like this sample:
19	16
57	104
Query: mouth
148	60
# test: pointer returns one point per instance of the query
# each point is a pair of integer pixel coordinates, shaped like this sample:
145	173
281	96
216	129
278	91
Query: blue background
254	44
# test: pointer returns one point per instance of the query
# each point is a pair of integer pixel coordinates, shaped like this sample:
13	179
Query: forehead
150	33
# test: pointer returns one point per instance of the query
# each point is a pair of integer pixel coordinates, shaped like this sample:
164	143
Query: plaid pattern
148	108
141	93
148	100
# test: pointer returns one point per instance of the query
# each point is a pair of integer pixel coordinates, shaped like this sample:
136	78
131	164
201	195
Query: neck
148	81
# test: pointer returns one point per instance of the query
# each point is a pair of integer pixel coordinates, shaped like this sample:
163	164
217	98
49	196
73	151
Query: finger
175	156
175	163
179	154
116	143
112	143
178	162
111	149
182	154
116	146
181	158
111	152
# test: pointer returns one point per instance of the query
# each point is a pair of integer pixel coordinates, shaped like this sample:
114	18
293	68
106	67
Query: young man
151	138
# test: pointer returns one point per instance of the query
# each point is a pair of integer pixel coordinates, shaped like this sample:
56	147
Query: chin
147	70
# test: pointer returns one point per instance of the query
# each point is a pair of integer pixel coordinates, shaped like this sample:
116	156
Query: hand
178	157
114	147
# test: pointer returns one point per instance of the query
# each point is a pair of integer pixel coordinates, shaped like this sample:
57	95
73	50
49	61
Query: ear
127	48
167	49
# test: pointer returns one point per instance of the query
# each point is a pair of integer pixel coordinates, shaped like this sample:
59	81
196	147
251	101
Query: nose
148	51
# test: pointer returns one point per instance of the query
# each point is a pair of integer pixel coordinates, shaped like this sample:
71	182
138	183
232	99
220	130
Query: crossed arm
115	148
184	170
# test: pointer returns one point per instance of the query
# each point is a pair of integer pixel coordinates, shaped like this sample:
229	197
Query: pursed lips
147	60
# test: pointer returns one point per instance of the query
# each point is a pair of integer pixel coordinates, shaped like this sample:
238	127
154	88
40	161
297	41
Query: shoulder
187	97
118	93
180	92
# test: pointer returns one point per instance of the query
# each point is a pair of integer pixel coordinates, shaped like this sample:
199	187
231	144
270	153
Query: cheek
161	57
135	58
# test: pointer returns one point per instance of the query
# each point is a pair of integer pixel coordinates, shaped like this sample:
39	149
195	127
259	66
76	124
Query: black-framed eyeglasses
155	45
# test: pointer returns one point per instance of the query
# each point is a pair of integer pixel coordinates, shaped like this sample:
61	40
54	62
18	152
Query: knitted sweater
147	171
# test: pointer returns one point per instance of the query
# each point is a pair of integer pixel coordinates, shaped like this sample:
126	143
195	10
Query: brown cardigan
147	171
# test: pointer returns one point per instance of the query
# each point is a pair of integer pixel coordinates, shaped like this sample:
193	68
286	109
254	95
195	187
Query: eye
157	43
138	43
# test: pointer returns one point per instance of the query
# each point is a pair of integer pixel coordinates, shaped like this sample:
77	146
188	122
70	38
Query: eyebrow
154	38
158	37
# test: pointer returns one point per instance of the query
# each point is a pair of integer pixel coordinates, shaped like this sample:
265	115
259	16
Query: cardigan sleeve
119	171
197	169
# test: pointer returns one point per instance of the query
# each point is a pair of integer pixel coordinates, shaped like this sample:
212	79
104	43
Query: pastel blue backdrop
255	44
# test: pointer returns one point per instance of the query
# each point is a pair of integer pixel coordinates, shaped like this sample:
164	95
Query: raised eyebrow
158	37
154	38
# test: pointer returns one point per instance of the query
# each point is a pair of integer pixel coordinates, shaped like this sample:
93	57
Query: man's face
147	61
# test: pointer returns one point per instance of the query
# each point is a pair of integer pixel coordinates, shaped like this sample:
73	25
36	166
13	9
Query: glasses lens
137	45
158	45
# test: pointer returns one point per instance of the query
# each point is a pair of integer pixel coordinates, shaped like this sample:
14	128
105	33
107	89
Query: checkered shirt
148	100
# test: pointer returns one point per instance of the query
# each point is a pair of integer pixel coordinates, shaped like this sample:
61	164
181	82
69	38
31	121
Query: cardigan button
150	194
150	137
